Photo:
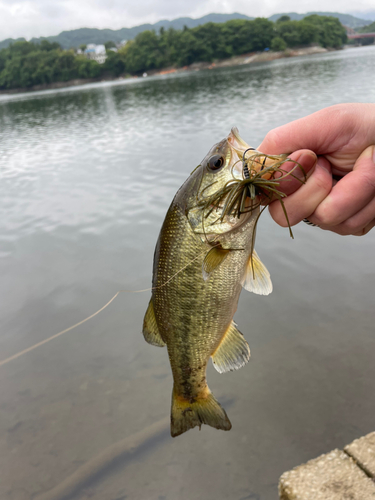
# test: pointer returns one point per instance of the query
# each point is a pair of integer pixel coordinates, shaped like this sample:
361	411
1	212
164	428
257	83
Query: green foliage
282	19
47	46
24	64
370	28
297	33
144	53
109	45
331	33
323	30
74	38
204	43
114	64
278	44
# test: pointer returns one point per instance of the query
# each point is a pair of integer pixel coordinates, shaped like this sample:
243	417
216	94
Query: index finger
322	132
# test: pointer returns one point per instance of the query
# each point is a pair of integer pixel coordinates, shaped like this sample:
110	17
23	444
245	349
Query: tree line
24	64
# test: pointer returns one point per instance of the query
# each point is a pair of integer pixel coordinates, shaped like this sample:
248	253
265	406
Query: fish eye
215	163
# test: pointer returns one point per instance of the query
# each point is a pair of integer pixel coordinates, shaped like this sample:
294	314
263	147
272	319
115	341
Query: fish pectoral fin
212	260
150	328
233	351
257	278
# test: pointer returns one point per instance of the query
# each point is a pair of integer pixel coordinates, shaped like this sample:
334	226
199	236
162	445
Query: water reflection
86	178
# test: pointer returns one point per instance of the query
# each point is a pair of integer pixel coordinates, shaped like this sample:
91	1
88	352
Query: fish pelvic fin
187	414
233	352
257	278
150	328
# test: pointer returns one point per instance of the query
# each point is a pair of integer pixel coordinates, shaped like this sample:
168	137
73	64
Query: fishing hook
244	165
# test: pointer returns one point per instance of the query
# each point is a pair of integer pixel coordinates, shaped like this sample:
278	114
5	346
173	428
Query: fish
203	258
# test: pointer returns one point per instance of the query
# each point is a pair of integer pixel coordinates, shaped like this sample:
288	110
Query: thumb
366	159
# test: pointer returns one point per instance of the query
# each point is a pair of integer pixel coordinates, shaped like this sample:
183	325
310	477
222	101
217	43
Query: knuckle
277	214
322	181
272	139
352	226
349	227
322	218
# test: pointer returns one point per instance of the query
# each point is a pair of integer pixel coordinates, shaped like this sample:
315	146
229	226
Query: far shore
254	57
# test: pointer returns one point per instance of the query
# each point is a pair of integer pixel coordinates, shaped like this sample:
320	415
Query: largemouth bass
203	258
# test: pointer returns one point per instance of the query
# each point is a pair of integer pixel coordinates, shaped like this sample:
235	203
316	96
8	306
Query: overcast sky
29	18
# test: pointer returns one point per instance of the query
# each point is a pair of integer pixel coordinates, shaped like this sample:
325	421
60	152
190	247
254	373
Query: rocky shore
254	57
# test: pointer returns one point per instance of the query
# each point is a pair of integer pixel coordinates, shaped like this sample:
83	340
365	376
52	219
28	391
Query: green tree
109	45
47	46
370	28
262	33
24	64
289	32
278	44
331	33
144	54
114	64
87	68
283	19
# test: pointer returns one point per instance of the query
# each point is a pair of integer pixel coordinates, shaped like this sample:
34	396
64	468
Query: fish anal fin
257	278
212	260
233	351
187	414
150	327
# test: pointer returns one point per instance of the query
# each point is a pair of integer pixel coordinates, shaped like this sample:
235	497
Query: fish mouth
239	147
236	141
255	182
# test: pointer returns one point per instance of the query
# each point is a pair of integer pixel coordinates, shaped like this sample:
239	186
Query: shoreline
250	58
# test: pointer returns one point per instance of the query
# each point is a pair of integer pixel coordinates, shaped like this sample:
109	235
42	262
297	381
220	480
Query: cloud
33	18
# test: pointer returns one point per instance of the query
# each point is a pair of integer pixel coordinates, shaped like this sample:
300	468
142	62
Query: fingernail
368	153
307	160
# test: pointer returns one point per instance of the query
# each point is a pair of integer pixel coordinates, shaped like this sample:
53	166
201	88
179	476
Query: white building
96	52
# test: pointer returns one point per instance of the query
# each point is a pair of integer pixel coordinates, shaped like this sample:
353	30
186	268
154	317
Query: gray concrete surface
334	476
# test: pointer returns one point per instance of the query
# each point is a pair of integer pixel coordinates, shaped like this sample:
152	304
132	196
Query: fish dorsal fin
257	278
150	327
212	260
233	351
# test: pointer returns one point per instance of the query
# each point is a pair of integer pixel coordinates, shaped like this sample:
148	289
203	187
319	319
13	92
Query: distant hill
75	38
367	14
5	43
345	19
370	28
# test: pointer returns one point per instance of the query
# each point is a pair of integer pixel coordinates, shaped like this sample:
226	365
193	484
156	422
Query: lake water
87	175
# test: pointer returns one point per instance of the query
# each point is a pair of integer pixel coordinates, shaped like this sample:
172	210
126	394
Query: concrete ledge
334	476
363	452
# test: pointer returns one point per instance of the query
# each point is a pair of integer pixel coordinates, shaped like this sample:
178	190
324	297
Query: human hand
339	194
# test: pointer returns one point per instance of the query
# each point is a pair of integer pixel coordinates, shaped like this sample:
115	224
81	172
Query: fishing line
39	344
231	196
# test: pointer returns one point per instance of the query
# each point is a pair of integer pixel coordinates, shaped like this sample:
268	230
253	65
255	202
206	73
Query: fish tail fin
206	410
